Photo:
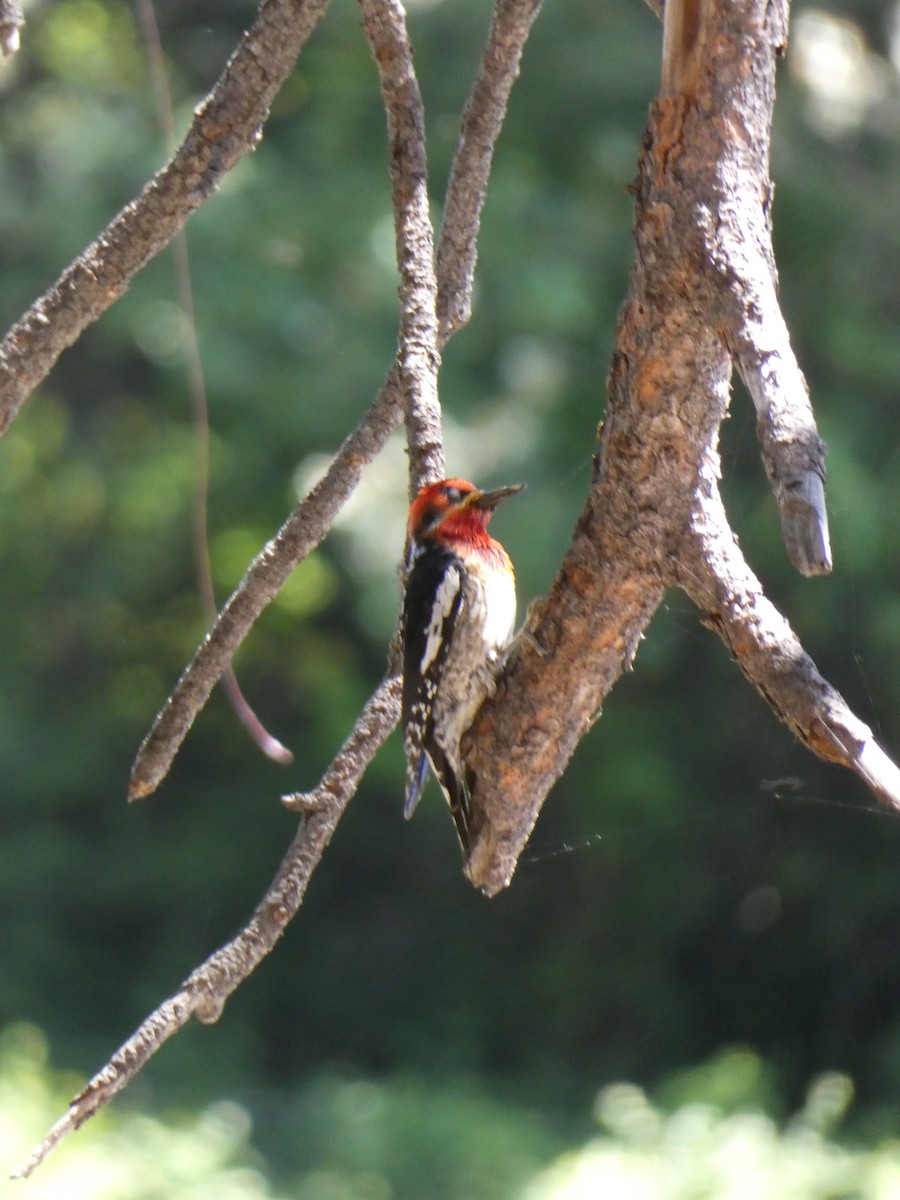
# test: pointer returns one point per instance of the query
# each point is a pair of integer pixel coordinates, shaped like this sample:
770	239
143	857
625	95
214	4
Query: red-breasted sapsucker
458	617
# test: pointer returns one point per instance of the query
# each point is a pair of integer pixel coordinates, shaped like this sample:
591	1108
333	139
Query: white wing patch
444	599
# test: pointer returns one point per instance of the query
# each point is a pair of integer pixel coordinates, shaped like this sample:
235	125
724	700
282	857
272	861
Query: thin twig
482	121
206	990
267	742
418	357
226	126
299	535
312	517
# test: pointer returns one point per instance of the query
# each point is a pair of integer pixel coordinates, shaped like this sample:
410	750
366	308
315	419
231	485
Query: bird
459	614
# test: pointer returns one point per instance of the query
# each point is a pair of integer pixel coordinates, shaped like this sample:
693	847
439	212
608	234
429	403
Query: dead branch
418	356
312	518
226	125
467	187
737	242
697	297
719	581
204	993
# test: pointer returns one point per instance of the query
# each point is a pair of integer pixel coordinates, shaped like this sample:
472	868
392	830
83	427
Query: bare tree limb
793	453
467	187
418	356
741	249
204	993
719	581
311	519
697	297
576	644
226	125
738	245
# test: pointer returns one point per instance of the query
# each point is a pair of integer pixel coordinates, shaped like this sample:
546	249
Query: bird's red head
454	510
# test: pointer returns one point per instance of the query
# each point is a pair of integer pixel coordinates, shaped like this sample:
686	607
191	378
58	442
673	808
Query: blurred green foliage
709	1135
122	1155
338	1137
696	879
717	1144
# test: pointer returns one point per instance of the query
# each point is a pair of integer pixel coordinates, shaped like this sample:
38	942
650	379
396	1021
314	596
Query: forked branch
312	517
702	298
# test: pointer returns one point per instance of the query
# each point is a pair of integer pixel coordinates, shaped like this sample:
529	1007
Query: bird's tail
416	775
456	792
453	785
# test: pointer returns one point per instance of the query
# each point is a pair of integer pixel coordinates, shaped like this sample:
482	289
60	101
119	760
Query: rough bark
702	298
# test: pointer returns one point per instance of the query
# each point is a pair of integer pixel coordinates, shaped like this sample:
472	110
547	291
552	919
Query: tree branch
697	296
204	993
418	357
793	454
482	121
576	644
226	125
738	245
719	581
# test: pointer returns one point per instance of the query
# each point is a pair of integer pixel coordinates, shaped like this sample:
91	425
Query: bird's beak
489	500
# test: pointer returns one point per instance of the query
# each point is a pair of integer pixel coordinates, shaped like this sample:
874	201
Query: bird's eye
453	495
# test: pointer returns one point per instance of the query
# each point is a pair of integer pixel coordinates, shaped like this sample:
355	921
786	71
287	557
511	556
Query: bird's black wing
434	594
